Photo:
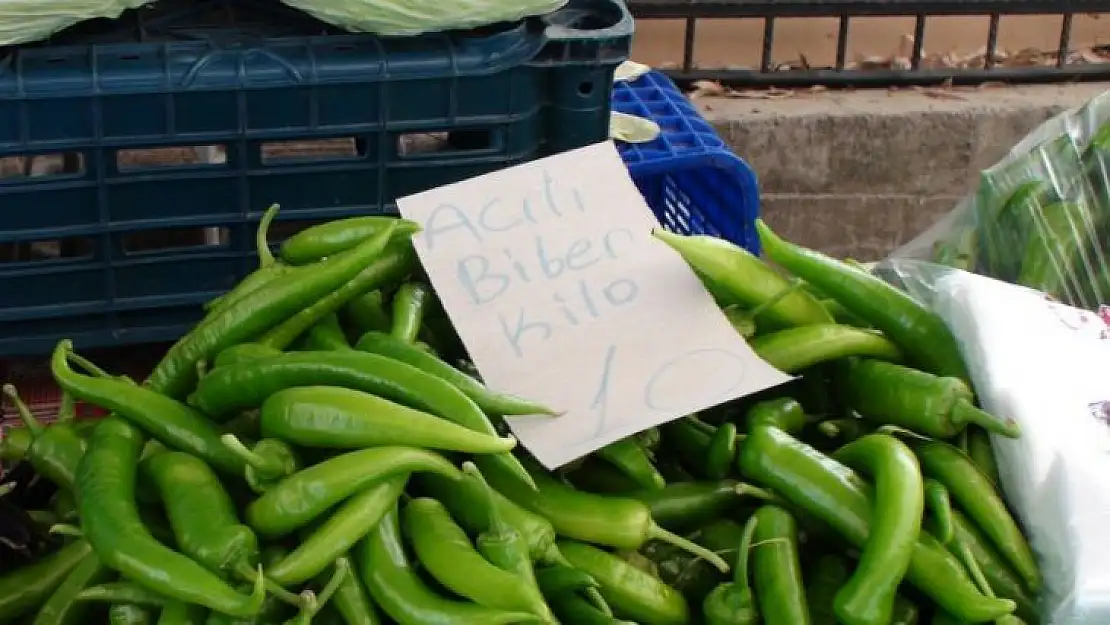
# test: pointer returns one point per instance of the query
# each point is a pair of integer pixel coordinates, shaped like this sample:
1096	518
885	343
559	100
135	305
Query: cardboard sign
560	294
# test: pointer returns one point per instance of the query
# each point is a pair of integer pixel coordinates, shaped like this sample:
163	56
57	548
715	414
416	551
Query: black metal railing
842	73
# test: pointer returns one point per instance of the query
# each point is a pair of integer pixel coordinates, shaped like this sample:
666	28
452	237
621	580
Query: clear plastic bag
1044	365
415	17
28	21
1040	217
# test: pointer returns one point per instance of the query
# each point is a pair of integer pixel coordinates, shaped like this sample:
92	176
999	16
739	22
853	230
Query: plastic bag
415	17
1044	364
1040	217
28	21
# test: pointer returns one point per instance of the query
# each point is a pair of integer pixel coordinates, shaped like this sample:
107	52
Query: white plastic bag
415	17
1046	365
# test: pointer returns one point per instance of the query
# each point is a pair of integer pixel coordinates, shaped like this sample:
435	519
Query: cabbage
414	17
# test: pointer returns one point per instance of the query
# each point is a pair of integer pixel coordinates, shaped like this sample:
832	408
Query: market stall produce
318	450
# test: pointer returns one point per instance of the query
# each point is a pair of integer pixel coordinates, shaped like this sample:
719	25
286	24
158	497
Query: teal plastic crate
158	141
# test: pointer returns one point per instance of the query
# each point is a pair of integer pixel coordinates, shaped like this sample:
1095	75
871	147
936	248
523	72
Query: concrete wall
859	173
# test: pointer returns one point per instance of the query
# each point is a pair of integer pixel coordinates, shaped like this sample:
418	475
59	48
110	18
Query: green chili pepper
941	407
396	587
14	443
845	430
868	596
327	335
631	459
1053	252
833	493
168	420
26	588
695	577
911	325
128	614
733	603
339	418
111	523
489	401
330	238
744	279
776	568
505	547
268	267
689	438
597	476
367	313
616	522
560	580
178	613
202	515
305	616
351	521
305	495
268	463
351	602
62	608
1001	577
571	608
795	349
409	304
939	503
785	414
446	553
243	352
981	453
233	388
631	592
122	592
258	312
823	579
55	450
723	448
395	260
684	506
976	495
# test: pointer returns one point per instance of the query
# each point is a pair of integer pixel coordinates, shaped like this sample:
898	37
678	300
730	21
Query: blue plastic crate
130	231
690	178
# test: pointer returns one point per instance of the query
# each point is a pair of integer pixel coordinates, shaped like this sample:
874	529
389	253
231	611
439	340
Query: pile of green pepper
316	451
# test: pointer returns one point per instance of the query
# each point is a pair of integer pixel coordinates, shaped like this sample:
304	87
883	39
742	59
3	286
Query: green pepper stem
249	574
89	366
260	463
748	490
740	573
964	554
342	570
66	529
793	286
593	595
963	413
828	428
262	235
29	421
657	533
67	408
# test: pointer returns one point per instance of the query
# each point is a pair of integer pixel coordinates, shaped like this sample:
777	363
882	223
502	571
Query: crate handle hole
68	248
129	57
174	239
138	159
453	142
312	150
39	166
586	88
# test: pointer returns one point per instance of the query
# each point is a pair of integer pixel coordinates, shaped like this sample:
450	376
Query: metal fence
1063	64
